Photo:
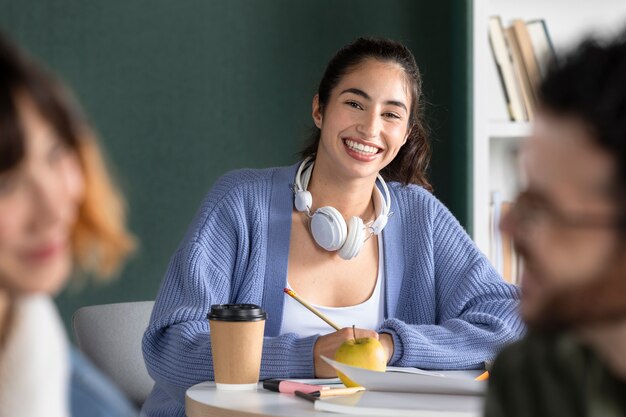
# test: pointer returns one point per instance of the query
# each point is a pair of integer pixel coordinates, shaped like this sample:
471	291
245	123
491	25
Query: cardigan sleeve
476	312
205	271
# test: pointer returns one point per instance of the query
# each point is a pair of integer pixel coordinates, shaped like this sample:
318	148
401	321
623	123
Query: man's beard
601	300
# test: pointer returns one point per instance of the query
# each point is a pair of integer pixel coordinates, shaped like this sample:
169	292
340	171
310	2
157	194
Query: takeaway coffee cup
237	343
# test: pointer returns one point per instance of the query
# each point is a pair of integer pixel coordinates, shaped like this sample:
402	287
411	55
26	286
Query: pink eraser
289	387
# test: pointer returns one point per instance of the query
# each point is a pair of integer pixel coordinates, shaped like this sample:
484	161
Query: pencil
482	377
312	309
307	397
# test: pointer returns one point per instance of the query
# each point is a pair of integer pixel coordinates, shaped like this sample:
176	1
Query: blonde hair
100	239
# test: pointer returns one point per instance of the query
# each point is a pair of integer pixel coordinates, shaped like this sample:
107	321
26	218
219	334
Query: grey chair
110	335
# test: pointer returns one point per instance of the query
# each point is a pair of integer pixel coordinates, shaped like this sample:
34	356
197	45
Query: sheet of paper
410	382
318	381
412	371
401	404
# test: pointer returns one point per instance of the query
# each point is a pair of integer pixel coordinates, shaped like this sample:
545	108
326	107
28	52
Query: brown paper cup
237	346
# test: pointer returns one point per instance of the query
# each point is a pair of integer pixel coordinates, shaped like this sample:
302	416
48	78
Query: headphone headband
328	226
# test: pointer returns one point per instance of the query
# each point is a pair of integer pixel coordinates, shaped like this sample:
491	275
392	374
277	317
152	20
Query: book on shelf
528	55
522	53
503	254
542	44
502	56
521	75
509	256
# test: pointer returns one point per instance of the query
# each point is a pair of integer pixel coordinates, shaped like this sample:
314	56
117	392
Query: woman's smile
361	150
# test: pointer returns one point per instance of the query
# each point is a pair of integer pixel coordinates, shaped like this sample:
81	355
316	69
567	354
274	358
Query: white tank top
367	315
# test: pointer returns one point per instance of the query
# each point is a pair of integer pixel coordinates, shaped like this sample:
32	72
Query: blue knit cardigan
445	306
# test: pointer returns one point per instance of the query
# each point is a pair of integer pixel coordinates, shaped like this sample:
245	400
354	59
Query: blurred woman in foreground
59	214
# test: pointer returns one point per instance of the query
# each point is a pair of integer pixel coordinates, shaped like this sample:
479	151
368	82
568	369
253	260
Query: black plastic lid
236	312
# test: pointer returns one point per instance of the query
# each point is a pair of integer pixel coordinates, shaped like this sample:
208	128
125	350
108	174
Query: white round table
204	400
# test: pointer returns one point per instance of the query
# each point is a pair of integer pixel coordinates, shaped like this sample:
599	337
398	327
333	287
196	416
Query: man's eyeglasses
530	210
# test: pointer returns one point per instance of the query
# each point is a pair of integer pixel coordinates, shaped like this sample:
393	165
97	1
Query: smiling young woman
352	228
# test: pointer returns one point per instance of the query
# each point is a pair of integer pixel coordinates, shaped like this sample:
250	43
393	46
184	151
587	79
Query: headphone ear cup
328	228
303	200
354	240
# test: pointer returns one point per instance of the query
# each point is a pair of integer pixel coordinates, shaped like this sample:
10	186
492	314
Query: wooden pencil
312	309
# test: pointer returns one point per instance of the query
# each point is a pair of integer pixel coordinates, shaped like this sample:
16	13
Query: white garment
367	315
34	363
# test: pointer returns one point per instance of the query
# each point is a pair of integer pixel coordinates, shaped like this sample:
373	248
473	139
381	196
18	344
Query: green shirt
553	376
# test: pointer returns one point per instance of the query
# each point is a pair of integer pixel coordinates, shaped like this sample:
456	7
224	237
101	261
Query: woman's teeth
358	147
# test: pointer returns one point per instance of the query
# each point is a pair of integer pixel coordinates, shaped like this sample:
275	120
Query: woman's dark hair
100	240
589	83
411	163
19	76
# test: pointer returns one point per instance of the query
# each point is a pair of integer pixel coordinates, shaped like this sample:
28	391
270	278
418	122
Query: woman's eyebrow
358	92
366	96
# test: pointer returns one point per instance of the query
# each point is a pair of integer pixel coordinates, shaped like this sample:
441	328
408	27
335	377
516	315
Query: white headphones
328	227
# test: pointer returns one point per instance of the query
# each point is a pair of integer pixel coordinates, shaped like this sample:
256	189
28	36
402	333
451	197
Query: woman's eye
8	183
391	115
57	152
354	105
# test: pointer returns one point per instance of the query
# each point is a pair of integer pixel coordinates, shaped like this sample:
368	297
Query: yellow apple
365	353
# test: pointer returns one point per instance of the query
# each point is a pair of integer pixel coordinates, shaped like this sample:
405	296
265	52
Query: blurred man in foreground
569	225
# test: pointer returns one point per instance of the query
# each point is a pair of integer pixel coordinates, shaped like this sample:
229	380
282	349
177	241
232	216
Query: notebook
425	382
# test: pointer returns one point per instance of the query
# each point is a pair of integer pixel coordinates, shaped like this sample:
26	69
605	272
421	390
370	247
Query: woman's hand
387	341
328	344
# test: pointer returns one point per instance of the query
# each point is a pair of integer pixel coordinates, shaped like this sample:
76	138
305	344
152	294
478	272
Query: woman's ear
317	111
408	133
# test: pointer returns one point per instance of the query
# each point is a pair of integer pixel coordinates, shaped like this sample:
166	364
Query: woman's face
365	122
39	200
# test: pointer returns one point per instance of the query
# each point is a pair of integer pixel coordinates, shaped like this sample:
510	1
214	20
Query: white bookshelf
495	139
506	129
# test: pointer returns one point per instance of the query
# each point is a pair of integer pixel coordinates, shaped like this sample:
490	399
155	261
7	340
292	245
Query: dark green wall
182	91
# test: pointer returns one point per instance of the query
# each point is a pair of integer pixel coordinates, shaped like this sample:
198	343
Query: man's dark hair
589	83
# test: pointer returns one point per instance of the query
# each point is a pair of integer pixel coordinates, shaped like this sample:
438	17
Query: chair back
110	335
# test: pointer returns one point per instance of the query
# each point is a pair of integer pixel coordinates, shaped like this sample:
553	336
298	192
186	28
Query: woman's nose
369	125
49	199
